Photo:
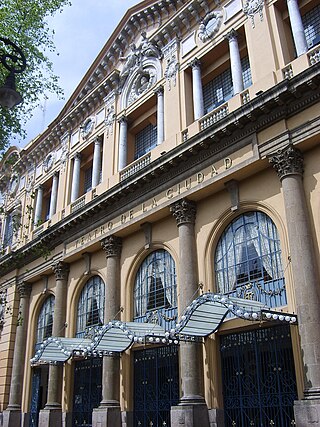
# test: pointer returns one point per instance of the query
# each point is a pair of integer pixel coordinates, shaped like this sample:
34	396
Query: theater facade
160	239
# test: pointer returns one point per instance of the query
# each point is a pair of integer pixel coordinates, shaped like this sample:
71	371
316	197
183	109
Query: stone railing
214	116
79	203
135	167
38	230
314	56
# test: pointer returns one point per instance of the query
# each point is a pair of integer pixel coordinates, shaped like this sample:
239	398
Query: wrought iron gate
87	392
35	397
259	383
156	385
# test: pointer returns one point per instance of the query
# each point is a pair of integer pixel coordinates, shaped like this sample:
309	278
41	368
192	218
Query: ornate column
51	415
123	142
12	416
160	115
235	62
299	37
198	107
96	167
288	163
38	208
75	186
109	412
192	406
54	195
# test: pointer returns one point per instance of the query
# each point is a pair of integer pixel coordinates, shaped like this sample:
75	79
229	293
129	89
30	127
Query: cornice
280	102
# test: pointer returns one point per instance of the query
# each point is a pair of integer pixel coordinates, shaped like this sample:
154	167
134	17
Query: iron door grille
156	385
259	384
87	393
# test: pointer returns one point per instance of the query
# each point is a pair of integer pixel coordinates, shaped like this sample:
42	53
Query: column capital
231	35
123	119
184	211
159	90
77	156
98	140
61	270
287	161
56	174
195	63
24	289
112	246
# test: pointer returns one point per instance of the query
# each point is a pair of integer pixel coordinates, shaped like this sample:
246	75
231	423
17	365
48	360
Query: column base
11	417
106	416
190	415
216	417
50	417
127	419
307	412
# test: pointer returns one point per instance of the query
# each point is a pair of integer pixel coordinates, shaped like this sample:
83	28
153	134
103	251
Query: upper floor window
220	89
155	284
248	260
91	305
145	141
8	230
311	24
45	320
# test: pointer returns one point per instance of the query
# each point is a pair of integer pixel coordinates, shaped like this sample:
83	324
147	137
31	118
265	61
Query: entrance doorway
87	391
259	383
38	393
156	385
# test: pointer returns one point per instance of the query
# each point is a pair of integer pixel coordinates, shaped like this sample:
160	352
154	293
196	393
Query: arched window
155	284
248	260
91	305
45	319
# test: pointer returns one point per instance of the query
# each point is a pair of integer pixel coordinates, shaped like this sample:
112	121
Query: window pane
146	140
45	319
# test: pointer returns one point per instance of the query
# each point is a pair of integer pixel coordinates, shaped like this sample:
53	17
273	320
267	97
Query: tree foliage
24	22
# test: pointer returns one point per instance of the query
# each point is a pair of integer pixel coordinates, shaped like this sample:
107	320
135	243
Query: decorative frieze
184	211
61	270
287	161
112	246
210	26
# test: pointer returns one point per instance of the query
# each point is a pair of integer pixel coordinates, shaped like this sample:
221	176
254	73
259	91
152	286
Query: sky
81	31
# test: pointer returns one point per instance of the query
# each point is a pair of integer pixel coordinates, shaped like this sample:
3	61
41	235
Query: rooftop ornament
13	59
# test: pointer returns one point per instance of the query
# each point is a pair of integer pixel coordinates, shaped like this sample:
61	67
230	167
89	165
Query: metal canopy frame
200	319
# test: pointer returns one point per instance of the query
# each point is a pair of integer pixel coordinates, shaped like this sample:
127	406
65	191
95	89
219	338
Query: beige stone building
160	240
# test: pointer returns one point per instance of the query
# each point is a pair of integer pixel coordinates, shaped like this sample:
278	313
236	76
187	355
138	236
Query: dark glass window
155	284
311	25
91	305
145	141
8	234
220	89
45	320
248	256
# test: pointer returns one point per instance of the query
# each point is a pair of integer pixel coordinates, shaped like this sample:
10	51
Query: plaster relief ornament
109	120
87	127
13	185
141	84
49	161
171	71
134	60
251	8
210	26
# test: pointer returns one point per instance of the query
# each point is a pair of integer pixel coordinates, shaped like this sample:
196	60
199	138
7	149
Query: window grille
155	284
311	24
45	320
8	234
88	179
248	260
145	141
91	305
220	89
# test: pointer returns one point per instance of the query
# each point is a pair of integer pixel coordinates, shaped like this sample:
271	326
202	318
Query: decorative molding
287	161
49	161
109	120
251	8
61	270
184	211
24	289
233	188
171	71
112	246
87	127
210	26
